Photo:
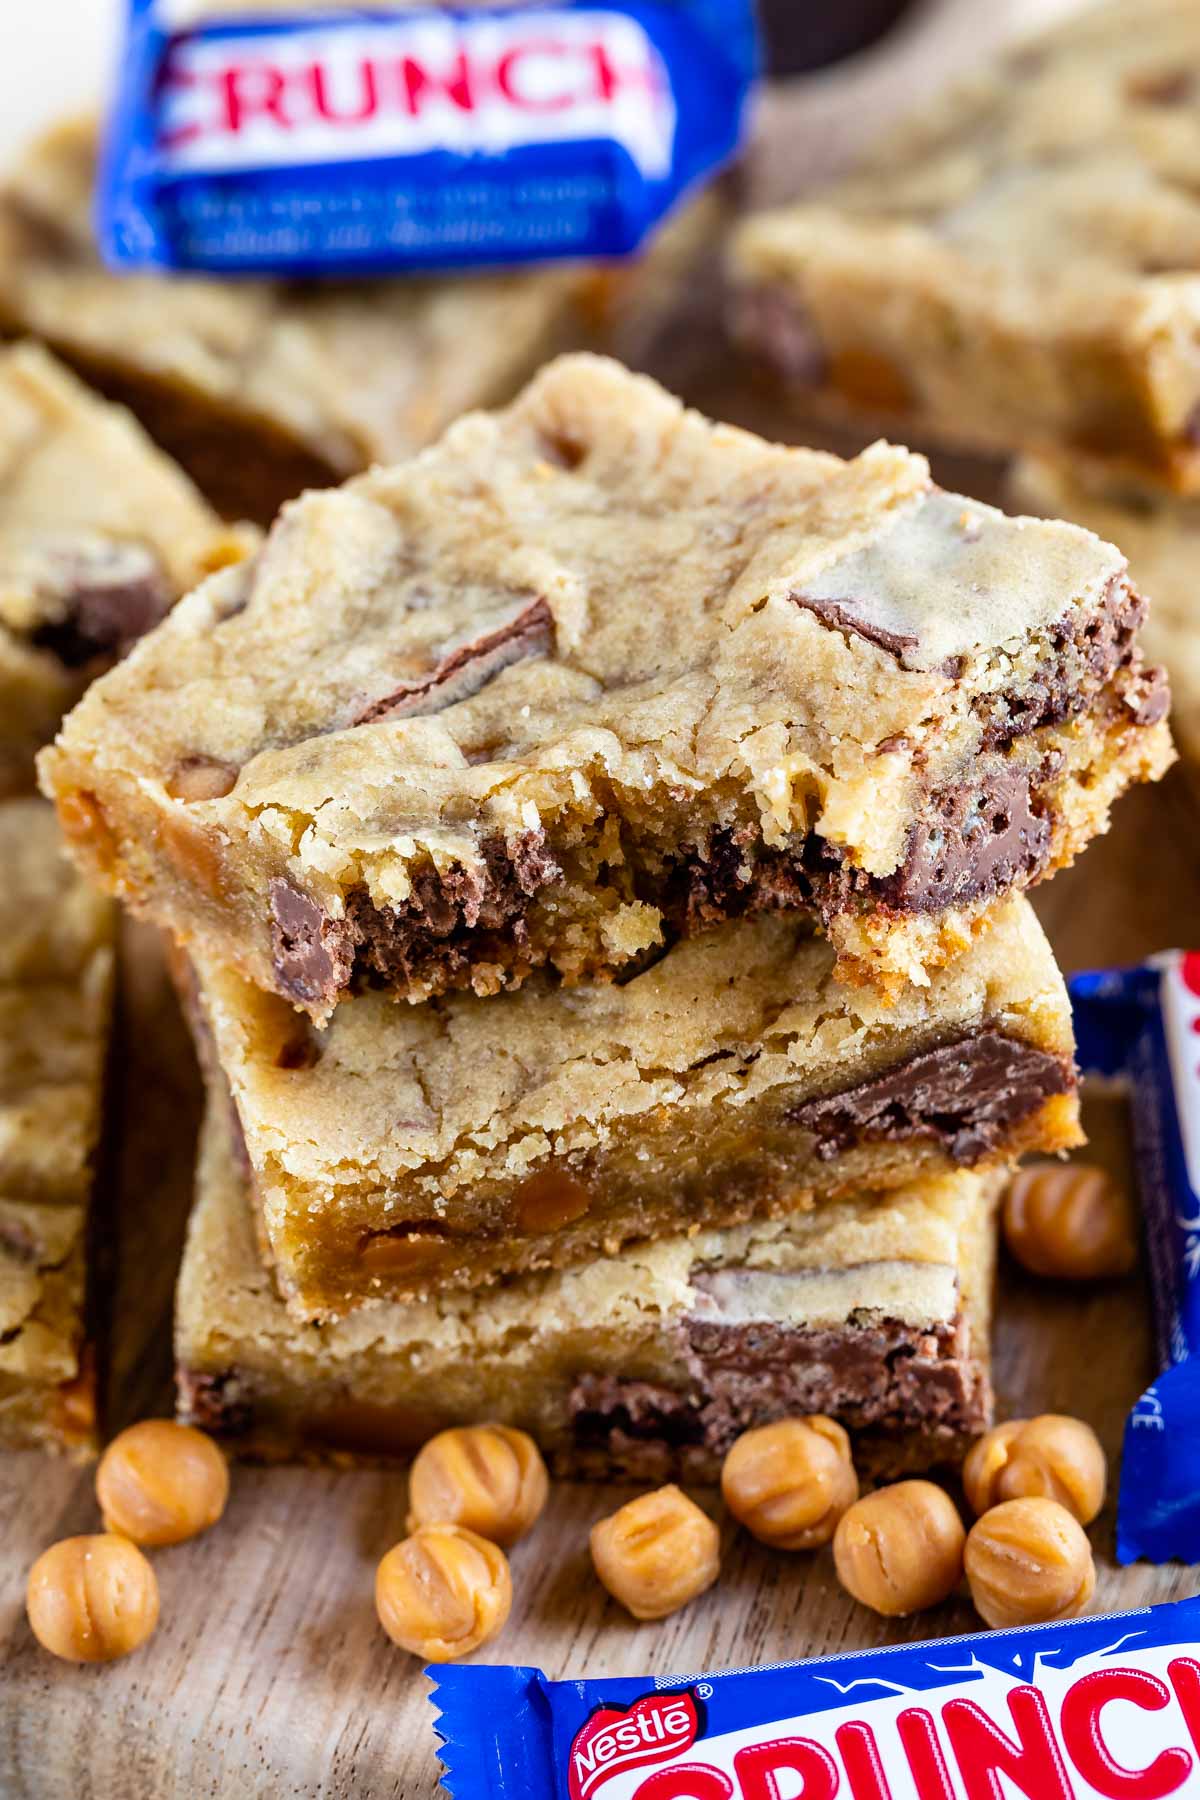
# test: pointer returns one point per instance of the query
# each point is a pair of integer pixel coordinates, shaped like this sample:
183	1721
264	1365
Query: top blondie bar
1019	267
593	672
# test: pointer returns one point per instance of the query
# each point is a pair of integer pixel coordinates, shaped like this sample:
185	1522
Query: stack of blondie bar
595	848
1018	270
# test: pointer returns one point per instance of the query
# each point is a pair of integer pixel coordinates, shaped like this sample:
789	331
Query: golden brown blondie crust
594	672
400	1151
641	1366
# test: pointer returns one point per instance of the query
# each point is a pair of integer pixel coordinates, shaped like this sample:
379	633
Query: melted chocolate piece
1147	696
108	594
469	667
839	615
1091	648
453	916
312	954
213	1402
871	1374
966	1095
981	837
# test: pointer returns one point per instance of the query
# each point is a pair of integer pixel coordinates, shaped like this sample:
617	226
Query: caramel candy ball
656	1553
489	1478
159	1483
789	1483
92	1599
1069	1221
1052	1457
1028	1562
442	1592
900	1549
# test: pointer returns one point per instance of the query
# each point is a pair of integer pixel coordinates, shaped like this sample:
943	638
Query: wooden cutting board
269	1674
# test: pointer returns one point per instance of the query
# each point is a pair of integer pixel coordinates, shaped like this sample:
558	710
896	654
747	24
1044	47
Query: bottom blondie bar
1160	534
56	969
643	1365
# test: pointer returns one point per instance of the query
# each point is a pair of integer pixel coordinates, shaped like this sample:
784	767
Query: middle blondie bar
401	1151
594	671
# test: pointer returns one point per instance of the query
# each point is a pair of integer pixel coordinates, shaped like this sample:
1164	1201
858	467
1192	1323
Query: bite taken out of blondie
593	673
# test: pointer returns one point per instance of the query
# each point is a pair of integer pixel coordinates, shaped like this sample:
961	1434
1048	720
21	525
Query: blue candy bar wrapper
1143	1024
1096	1707
323	142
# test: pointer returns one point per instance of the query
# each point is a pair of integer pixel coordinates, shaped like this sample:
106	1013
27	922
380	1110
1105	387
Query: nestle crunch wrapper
1143	1025
340	140
1103	1707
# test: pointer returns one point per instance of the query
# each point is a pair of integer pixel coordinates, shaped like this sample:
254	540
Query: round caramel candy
1029	1562
159	1483
489	1478
789	1483
443	1592
1069	1221
92	1599
656	1553
1053	1456
900	1549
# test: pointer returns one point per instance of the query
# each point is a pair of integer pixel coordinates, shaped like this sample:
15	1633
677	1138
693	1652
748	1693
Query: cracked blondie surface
1017	267
259	388
400	1151
593	673
640	1366
99	535
56	976
1161	534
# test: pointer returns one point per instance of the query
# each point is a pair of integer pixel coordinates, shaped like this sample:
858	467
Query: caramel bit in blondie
549	1200
84	822
868	379
201	778
199	855
1161	87
1028	1562
404	1250
1070	1221
75	1409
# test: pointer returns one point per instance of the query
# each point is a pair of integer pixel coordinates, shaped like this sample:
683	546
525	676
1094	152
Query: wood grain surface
268	1674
